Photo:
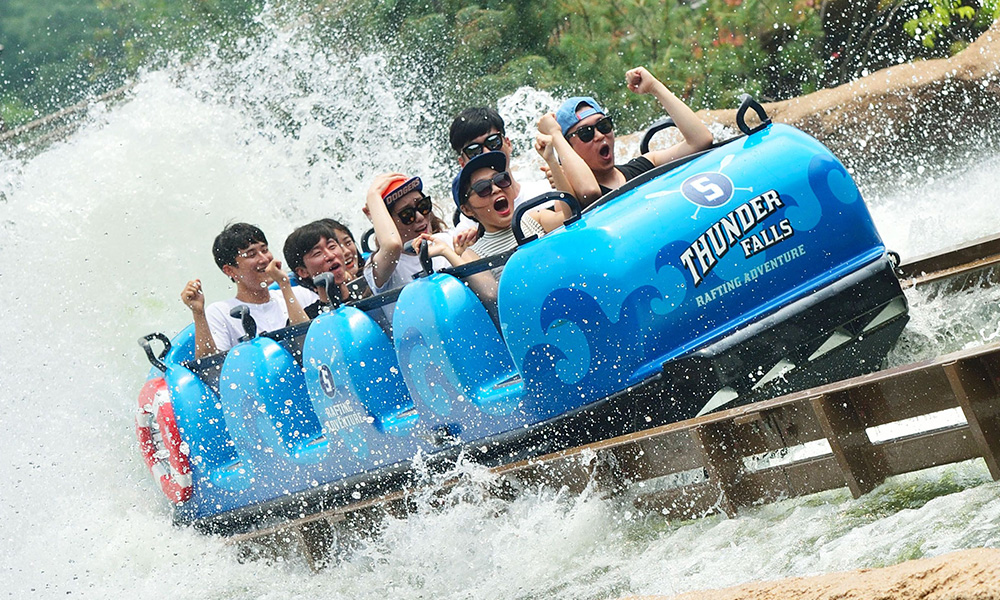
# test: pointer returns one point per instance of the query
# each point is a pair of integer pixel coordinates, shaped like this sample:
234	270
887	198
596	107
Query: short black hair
235	238
338	226
472	123
302	240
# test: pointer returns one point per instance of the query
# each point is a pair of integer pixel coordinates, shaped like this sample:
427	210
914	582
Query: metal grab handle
332	289
426	264
746	103
365	247
242	312
569	199
653	130
156	361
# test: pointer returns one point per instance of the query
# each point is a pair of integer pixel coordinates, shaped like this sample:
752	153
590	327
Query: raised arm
296	312
390	245
193	298
697	137
546	149
574	171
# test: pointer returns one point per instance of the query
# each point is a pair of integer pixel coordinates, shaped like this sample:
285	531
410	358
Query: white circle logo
708	189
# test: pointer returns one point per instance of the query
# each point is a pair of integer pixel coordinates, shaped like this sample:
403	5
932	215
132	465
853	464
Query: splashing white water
100	232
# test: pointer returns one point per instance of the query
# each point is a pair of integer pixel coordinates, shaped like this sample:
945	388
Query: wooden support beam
844	427
722	458
975	388
318	539
662	466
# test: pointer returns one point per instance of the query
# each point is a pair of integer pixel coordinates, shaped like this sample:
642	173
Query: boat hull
741	274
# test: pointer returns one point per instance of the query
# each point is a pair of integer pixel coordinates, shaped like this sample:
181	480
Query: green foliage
708	56
54	53
930	23
14	112
477	51
462	52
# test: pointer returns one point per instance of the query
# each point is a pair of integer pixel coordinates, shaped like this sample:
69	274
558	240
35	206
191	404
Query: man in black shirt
583	136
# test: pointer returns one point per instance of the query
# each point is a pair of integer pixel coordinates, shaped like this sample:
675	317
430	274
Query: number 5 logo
708	189
326	380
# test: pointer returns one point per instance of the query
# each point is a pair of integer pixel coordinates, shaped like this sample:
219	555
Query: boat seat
349	365
267	408
450	350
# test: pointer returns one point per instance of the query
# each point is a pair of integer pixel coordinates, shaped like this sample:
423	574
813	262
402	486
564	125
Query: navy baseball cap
495	160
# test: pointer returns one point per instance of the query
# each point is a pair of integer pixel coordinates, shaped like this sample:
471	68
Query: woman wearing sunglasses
401	213
583	135
484	194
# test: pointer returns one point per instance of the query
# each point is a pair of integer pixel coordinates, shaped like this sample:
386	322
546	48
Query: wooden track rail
966	265
56	126
841	414
724	462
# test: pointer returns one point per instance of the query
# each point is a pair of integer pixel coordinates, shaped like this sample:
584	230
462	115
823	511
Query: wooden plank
670	453
801	478
915	393
723	461
690	502
858	459
318	539
929	449
573	471
976	389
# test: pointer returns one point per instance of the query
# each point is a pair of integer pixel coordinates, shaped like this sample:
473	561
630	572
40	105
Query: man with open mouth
583	135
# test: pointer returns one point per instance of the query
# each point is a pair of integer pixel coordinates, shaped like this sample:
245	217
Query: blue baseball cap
495	160
454	189
567	115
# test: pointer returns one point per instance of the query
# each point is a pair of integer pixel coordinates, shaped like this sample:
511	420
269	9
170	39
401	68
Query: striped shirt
498	242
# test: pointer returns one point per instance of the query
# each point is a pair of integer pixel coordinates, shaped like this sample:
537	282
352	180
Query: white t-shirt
272	315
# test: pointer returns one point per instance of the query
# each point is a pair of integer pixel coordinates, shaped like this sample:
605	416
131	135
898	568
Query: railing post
976	392
859	460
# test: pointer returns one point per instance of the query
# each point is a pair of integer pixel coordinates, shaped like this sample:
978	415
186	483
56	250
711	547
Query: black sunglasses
491	143
483	187
586	133
409	214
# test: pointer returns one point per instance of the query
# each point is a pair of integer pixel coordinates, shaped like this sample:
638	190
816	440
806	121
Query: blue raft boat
738	274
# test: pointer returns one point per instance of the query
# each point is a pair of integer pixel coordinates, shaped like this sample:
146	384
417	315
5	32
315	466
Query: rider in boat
311	250
241	252
583	135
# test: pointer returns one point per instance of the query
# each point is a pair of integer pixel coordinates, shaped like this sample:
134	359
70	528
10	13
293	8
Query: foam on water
101	230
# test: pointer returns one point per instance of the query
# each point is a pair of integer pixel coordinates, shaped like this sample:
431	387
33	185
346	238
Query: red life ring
160	441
